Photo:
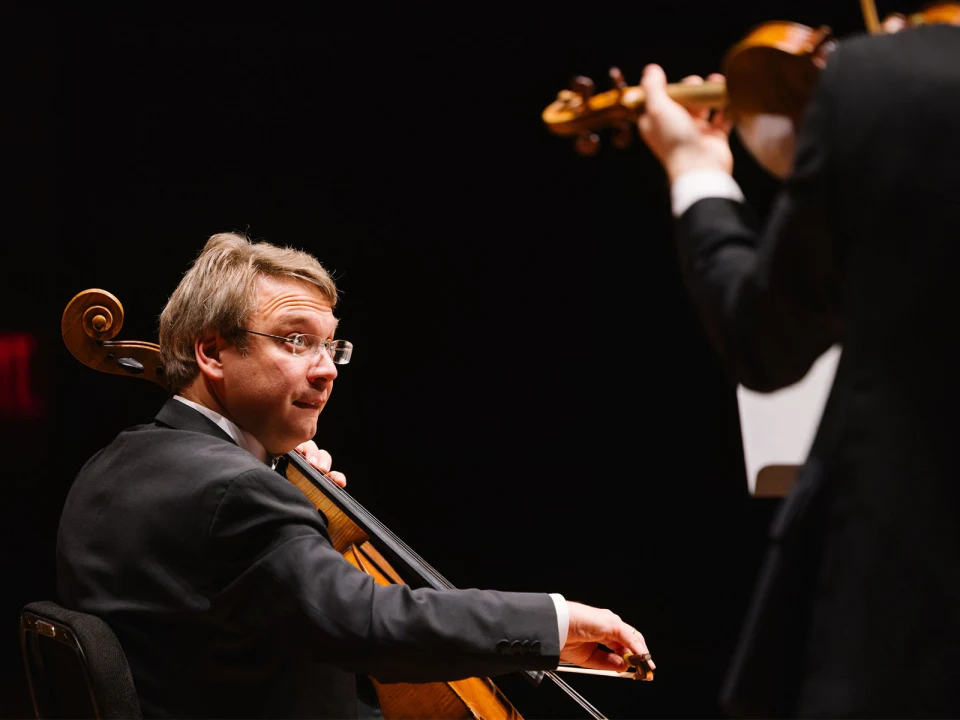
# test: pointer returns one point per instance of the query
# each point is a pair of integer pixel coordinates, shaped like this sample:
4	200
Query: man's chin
292	444
284	448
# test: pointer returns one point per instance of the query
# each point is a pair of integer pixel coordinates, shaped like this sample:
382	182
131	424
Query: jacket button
535	647
503	647
515	647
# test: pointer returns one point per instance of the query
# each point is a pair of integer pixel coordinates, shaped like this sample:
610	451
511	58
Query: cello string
385	533
577	697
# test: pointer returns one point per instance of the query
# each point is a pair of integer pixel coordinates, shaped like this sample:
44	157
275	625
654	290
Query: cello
90	323
769	78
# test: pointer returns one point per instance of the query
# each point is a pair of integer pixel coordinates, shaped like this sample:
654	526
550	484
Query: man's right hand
589	627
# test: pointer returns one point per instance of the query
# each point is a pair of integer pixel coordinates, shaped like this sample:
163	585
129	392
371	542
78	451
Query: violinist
218	575
857	609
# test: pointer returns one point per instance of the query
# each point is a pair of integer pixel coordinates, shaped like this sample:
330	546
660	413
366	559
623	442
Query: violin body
774	69
948	13
943	13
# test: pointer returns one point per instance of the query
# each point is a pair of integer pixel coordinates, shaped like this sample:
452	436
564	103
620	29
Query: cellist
219	577
857	609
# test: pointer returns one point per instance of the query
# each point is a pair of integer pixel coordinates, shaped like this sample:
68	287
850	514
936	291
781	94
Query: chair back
75	666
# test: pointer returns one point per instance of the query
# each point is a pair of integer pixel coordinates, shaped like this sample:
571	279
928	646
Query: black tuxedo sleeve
770	302
277	571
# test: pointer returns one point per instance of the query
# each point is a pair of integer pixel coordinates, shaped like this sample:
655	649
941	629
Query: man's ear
206	350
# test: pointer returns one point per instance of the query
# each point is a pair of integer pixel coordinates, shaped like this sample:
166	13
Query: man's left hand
321	460
682	139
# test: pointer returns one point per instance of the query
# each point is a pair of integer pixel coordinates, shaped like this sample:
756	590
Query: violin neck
711	94
705	95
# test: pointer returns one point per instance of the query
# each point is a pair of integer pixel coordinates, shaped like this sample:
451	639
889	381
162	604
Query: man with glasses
218	575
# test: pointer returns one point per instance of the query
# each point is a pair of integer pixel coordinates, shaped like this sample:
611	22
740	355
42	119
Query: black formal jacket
219	579
857	610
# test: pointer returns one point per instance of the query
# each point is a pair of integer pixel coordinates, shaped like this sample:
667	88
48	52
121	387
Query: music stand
778	428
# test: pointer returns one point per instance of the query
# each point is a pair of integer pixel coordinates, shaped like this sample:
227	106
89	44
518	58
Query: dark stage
531	404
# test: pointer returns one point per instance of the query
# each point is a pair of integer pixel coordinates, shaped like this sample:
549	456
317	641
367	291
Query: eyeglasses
310	346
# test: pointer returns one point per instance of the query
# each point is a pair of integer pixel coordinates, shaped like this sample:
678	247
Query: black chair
75	665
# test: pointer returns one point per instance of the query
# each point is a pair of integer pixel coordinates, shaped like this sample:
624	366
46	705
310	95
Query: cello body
467	698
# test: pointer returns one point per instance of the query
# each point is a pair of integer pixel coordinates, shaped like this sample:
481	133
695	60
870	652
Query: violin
91	321
769	78
938	13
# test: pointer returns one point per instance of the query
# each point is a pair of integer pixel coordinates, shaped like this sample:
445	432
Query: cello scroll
90	322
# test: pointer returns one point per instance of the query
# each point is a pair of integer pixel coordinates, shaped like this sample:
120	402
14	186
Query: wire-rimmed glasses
309	346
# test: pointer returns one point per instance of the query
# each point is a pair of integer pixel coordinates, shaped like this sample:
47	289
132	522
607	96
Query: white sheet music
778	428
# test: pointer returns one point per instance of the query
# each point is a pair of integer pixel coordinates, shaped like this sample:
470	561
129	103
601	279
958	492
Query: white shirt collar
244	439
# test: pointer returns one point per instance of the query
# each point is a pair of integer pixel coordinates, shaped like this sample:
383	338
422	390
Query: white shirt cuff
563	617
696	185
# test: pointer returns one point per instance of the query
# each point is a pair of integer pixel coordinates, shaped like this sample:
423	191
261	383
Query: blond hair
219	293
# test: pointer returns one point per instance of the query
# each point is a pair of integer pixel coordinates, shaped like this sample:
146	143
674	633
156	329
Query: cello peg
587	144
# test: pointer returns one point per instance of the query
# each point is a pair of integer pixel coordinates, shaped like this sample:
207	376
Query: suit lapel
179	416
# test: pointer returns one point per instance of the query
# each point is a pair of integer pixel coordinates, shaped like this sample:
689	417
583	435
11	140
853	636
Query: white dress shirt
249	443
241	437
696	185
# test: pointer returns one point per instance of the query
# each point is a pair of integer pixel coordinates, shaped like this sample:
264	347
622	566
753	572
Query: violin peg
569	100
623	135
583	86
618	80
587	144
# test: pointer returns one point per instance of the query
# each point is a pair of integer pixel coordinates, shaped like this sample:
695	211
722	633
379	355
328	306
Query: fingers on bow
633	642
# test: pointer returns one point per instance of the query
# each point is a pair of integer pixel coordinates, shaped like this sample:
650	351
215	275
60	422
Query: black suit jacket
857	611
219	579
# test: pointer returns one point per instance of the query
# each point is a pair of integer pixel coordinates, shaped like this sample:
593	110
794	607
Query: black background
531	404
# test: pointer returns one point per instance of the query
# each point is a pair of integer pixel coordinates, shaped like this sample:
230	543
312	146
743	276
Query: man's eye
299	341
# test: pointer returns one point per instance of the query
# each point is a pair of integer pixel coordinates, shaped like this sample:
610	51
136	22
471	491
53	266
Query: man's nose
322	367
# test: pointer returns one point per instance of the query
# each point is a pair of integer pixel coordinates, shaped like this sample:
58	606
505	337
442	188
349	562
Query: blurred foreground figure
857	609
